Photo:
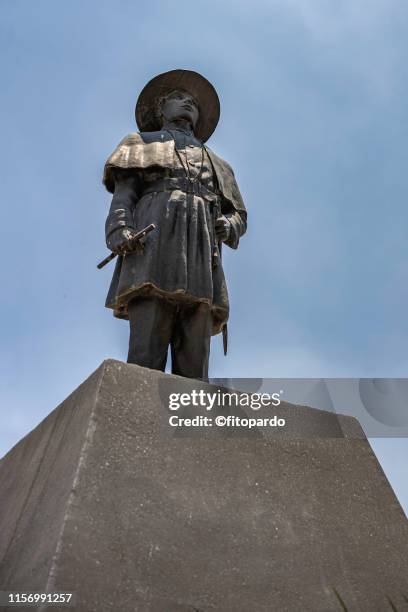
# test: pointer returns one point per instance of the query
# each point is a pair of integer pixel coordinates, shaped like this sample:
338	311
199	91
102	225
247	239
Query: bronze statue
171	286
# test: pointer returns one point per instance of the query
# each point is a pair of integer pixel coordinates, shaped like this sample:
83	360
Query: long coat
178	262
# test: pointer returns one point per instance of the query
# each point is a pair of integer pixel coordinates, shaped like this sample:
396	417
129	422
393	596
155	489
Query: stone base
102	499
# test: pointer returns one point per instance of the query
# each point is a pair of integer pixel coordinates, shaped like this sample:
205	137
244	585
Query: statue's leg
151	322
190	343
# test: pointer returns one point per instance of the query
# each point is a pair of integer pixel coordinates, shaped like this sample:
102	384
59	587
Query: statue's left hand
222	228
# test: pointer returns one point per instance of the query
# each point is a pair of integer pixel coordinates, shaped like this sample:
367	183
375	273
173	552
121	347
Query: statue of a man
173	291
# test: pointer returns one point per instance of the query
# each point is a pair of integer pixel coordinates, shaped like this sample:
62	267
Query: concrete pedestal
104	500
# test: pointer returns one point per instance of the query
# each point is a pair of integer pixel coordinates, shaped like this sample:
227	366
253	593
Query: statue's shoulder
144	138
139	150
133	138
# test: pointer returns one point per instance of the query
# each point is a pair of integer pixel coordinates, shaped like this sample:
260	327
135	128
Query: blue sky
314	122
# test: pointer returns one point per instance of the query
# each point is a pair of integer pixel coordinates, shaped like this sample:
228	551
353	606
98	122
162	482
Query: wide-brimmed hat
188	80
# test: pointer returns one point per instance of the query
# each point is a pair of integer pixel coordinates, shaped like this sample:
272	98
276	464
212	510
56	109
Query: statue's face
180	105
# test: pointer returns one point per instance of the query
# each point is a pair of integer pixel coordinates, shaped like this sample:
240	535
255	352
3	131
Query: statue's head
175	95
177	104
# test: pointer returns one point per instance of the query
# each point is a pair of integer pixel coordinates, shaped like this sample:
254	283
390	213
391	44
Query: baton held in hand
135	240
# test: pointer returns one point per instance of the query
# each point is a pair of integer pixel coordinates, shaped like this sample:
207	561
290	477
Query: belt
181	184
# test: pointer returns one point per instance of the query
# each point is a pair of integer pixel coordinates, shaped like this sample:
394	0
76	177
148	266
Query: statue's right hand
120	241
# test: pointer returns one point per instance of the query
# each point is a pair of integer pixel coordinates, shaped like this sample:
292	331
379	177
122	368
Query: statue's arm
119	226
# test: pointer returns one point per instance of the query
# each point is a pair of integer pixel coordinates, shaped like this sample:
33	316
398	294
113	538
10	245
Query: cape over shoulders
141	139
146	149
